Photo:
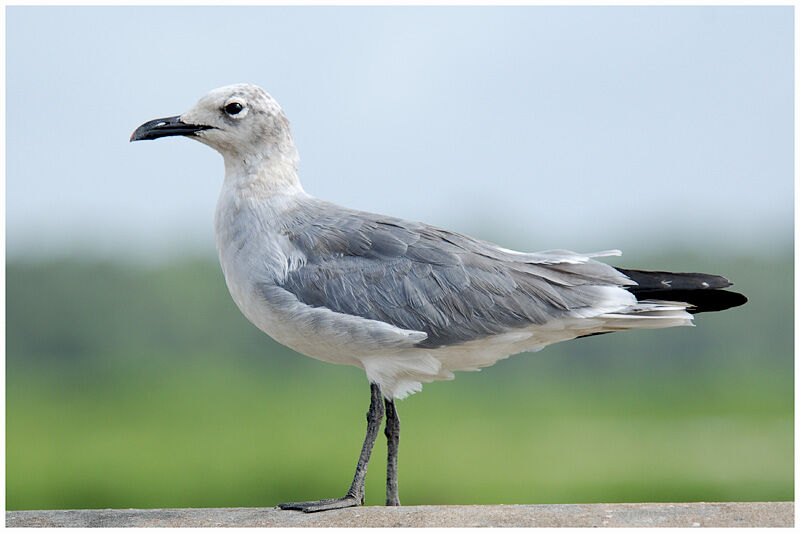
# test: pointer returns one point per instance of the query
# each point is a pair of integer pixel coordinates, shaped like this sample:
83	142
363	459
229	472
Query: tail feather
702	291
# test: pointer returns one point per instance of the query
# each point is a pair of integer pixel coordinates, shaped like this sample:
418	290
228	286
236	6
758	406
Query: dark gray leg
355	496
392	440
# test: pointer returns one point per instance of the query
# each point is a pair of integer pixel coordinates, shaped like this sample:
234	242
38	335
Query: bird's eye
233	108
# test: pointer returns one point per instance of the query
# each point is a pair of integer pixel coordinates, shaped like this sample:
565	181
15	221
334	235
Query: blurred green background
143	386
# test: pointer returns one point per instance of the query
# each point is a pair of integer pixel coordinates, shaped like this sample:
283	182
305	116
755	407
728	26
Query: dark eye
233	108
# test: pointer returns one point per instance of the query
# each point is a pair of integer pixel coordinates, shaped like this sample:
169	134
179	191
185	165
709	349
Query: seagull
407	302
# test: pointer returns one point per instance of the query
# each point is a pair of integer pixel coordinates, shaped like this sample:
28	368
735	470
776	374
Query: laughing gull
407	302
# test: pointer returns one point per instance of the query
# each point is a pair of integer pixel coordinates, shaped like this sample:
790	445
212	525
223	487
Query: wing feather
449	286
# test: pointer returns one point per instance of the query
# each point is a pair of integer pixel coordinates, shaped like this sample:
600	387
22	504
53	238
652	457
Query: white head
242	122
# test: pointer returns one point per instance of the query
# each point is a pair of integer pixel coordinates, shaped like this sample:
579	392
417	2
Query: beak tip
139	133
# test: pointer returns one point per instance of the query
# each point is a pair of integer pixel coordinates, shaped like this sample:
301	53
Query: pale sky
537	127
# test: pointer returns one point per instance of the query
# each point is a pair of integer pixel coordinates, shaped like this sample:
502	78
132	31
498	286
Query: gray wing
417	277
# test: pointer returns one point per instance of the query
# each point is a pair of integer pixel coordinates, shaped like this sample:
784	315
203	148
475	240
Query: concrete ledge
745	514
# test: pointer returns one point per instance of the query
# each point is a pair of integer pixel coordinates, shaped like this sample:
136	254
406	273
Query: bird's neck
263	175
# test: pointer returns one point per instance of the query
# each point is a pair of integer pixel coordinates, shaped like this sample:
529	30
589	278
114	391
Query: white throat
263	175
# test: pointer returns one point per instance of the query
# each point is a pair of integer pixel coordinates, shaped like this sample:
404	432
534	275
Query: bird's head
241	122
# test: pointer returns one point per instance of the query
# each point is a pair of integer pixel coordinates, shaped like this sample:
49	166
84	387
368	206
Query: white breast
255	257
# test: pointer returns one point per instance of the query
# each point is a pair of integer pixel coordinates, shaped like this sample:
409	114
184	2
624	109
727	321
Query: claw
321	505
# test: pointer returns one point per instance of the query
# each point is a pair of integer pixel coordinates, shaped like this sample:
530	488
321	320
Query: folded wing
454	288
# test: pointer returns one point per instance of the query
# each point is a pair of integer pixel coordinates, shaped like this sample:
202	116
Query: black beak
164	127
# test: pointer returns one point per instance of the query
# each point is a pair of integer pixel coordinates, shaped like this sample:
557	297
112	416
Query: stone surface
744	514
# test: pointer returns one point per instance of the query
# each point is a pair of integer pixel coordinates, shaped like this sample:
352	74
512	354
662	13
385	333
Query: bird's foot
392	501
322	505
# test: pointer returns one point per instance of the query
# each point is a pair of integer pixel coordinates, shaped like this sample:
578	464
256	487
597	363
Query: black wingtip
669	281
702	301
703	291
